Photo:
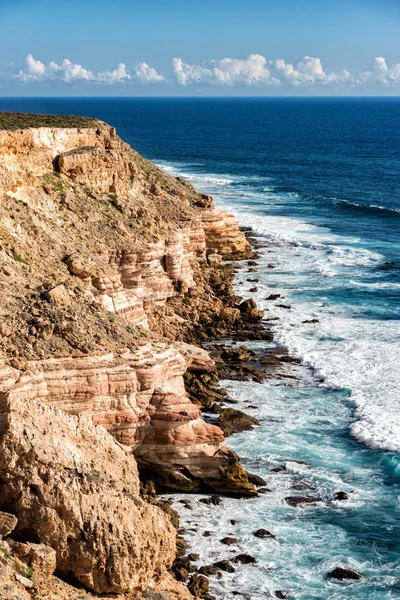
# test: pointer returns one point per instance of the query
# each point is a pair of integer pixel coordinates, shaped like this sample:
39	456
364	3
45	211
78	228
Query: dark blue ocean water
318	180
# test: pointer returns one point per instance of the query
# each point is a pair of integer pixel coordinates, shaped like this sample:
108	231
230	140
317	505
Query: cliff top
12	121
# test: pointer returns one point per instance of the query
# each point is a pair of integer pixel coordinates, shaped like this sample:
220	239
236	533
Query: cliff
107	266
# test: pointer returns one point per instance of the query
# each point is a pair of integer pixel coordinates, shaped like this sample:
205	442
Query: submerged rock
299	500
208	570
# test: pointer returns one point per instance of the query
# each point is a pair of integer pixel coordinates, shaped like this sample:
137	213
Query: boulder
299	500
8	523
341	496
198	586
232	421
342	574
58	295
264	534
229	541
244	559
224	565
256	479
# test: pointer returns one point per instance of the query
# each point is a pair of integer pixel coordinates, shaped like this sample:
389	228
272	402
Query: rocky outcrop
105	263
140	398
76	490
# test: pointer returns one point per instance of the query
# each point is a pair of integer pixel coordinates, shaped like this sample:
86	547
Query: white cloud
308	71
68	72
117	76
228	71
256	70
381	74
146	74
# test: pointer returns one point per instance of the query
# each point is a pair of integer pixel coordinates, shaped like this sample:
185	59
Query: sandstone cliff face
76	490
100	252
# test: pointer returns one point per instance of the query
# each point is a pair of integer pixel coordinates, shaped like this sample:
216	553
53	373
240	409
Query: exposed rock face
100	255
77	491
140	398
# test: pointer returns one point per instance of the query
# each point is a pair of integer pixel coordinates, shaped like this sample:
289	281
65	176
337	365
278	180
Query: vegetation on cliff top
12	121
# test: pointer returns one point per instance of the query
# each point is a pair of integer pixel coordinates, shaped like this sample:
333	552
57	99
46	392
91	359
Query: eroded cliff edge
108	265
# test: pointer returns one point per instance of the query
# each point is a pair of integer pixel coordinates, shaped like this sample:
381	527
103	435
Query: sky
199	48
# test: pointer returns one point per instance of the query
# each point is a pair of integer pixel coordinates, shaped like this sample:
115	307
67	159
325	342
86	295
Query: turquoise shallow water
306	421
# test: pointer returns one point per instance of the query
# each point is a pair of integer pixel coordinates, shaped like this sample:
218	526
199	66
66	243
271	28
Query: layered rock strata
76	490
100	255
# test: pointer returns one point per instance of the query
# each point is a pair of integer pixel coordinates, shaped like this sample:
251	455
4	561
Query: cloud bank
68	72
256	70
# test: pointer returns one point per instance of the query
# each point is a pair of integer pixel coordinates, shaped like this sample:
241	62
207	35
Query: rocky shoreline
111	271
233	361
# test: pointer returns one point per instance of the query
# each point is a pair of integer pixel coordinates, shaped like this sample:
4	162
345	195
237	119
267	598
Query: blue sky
207	47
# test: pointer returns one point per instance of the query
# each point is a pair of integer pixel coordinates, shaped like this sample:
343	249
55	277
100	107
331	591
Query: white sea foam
345	350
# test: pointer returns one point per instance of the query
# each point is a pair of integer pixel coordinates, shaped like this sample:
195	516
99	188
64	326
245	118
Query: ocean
318	181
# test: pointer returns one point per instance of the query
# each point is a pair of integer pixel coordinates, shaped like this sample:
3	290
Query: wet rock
181	574
193	556
274	297
229	541
208	570
302	485
234	522
287	306
263	490
225	565
249	311
264	534
207	534
254	289
232	421
271	266
311	321
282	594
198	586
181	546
256	479
241	353
278	469
341	574
341	496
244	559
299	500
216	500
205	501
183	562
